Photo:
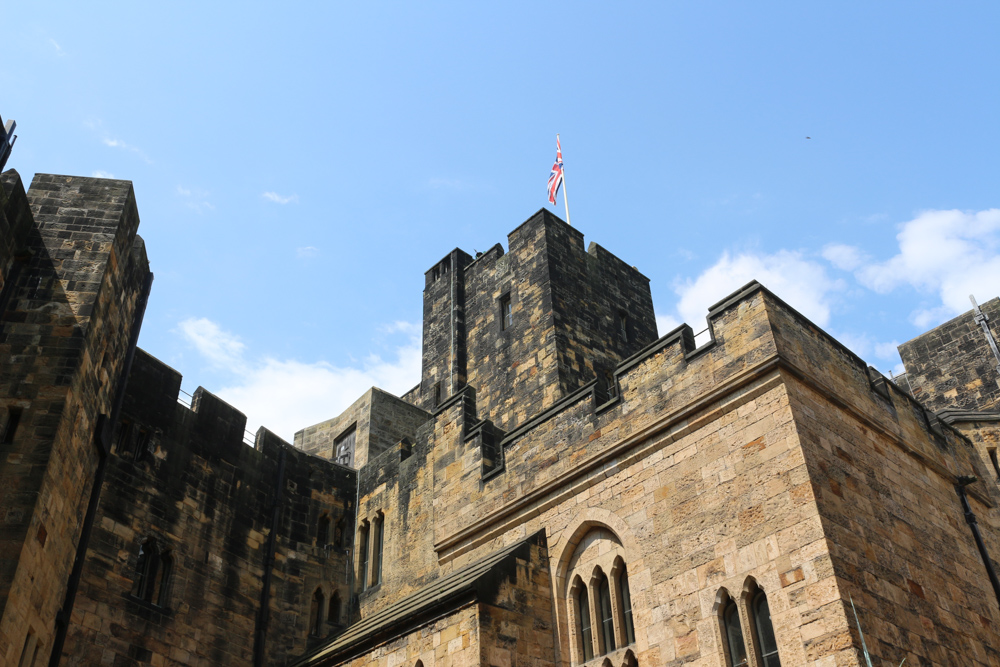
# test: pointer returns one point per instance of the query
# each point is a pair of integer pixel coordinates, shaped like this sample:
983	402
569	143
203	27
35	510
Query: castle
564	486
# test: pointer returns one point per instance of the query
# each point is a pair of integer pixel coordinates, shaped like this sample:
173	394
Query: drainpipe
970	518
102	440
263	614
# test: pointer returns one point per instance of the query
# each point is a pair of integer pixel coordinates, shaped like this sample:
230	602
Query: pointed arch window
583	622
378	537
603	590
763	630
732	632
363	555
316	614
333	613
625	596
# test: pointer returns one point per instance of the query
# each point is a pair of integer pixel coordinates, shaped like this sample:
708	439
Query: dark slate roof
447	592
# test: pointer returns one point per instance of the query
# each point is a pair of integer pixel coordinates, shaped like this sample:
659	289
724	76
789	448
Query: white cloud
55	45
666	323
951	254
844	257
102	174
280	199
286	395
306	251
220	348
801	282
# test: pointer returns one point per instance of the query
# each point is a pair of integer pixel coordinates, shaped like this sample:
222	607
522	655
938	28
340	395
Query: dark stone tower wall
952	365
565	331
75	278
444	352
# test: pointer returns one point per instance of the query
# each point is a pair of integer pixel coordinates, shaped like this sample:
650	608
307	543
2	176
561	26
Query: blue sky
298	168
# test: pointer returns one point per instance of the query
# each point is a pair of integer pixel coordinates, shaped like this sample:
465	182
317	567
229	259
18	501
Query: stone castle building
564	486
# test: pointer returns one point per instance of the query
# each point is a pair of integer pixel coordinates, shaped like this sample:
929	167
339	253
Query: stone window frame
748	625
317	605
153	573
376	548
364	530
505	308
29	652
579	632
323	531
348	434
609	567
14	415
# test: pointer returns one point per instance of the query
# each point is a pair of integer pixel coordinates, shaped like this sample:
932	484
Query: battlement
531	325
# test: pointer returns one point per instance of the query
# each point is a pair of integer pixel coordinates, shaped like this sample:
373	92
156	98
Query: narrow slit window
316	614
437	394
363	556
10	428
147	567
333	613
996	464
124	438
163	579
141	444
323	531
506	313
623	325
377	541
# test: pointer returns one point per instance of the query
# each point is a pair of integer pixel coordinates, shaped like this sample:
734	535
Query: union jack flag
556	175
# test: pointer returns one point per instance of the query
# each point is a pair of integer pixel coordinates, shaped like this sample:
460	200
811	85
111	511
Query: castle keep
563	486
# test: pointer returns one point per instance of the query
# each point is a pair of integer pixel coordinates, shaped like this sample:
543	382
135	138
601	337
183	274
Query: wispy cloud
281	199
102	174
286	395
307	251
118	143
195	199
55	45
948	253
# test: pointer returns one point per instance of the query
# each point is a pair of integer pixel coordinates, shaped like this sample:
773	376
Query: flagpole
565	198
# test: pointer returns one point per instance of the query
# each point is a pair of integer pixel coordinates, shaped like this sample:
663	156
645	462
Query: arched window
316	613
378	525
625	600
363	555
604	609
333	613
146	569
630	660
583	622
732	632
163	580
323	531
766	645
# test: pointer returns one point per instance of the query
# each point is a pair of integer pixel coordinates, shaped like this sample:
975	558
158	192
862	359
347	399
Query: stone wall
952	367
64	338
379	421
183	482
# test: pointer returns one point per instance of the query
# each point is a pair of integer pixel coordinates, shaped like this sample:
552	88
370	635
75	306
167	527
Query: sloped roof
448	592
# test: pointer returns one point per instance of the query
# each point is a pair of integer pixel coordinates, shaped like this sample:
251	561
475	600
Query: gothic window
124	438
625	600
340	533
378	537
316	614
583	622
13	418
343	447
603	591
323	531
623	325
506	313
763	631
153	570
363	555
333	614
732	632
